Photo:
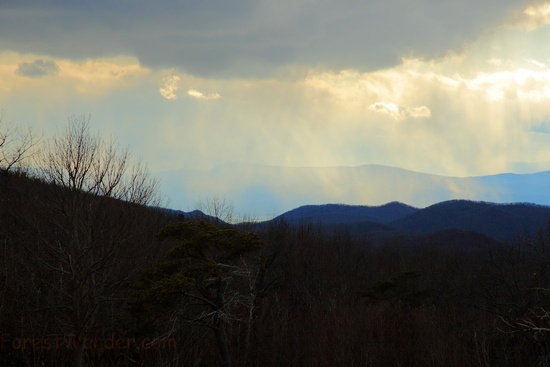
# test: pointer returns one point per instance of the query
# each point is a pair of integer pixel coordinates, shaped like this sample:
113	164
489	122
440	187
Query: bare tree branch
16	145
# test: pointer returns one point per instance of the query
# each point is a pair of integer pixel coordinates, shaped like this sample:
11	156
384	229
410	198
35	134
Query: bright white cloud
385	107
200	95
400	112
526	84
533	17
481	114
418	112
170	86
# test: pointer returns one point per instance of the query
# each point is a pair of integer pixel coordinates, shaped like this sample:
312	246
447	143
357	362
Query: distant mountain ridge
344	213
453	223
497	221
267	191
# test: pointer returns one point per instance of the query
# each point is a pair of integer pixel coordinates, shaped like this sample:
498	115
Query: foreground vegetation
92	275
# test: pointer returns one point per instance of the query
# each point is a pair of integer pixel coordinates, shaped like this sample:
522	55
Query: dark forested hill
285	288
346	214
498	221
194	214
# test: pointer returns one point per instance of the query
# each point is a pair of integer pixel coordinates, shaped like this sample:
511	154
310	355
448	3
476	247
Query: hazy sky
448	87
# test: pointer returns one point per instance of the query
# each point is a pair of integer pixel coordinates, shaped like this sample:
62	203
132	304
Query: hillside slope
341	213
498	221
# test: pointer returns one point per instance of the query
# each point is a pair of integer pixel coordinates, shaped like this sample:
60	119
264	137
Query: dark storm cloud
37	68
248	38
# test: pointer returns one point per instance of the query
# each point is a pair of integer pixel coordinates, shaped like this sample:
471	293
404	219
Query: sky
448	87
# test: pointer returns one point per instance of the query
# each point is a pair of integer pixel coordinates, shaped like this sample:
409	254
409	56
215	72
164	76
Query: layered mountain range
503	222
266	191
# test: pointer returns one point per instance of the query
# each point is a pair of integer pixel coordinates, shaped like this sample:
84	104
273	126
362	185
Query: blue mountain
449	219
263	192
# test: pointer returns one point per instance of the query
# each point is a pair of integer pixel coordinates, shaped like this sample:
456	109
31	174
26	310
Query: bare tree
217	207
87	164
15	145
92	229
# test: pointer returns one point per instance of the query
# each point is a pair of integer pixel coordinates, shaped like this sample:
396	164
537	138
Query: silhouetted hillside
291	286
397	220
346	214
500	221
194	214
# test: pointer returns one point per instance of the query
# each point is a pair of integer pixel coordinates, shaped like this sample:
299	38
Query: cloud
170	86
485	102
199	95
533	17
418	112
38	68
249	38
400	112
529	84
92	77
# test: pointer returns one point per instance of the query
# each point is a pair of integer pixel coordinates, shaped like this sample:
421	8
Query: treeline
318	298
92	275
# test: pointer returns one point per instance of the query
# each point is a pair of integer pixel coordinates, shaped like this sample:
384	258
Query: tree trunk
221	339
219	327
